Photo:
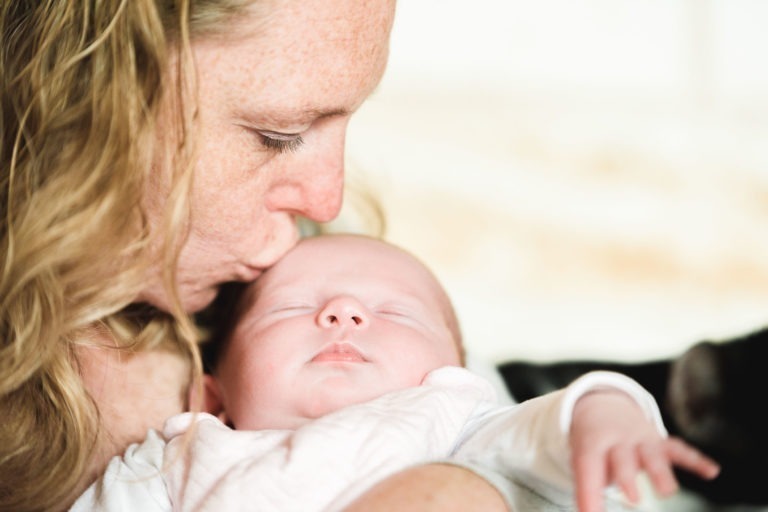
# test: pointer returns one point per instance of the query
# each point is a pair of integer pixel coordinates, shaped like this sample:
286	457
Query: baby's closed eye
291	308
399	314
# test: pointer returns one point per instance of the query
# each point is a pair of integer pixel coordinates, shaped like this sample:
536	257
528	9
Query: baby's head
341	319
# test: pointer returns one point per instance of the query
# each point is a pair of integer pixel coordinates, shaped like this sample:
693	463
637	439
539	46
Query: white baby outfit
323	465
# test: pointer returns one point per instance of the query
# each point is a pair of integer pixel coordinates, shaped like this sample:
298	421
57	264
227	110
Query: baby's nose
343	311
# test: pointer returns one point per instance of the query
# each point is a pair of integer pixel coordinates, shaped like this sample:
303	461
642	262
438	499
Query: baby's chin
320	408
327	401
271	422
329	395
293	419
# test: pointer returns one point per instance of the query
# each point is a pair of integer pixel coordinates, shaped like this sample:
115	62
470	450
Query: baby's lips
339	352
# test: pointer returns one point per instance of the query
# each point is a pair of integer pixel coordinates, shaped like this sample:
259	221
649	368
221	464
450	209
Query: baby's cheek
413	371
448	355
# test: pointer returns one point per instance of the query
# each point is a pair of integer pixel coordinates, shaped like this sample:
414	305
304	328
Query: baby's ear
210	401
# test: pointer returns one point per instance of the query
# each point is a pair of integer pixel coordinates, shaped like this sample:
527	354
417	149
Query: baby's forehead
339	259
348	253
350	247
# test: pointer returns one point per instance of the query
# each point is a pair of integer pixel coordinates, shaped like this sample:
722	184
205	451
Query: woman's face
275	96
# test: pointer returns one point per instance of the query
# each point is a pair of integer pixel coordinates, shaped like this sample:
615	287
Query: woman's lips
339	352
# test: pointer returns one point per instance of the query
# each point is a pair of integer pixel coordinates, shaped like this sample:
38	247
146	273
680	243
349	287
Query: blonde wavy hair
81	84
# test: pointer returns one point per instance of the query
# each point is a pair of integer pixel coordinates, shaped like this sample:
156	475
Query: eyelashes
281	142
396	315
392	313
293	308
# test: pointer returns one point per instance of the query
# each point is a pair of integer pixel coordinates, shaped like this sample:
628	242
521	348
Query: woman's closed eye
281	142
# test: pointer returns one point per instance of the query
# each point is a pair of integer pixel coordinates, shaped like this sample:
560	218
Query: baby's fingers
655	461
591	479
623	471
687	457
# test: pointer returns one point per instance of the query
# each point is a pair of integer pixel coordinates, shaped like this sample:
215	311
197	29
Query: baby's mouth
339	353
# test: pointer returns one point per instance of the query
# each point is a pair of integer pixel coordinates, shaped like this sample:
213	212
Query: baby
344	367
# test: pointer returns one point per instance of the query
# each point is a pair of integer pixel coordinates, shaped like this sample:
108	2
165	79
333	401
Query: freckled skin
307	58
302	71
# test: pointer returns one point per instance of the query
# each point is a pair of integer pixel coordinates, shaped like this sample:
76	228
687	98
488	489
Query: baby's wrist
604	386
607	399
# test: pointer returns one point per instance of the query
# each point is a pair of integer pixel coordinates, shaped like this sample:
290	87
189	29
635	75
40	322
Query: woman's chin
192	301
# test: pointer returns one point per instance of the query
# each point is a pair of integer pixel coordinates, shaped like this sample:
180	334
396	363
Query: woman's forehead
336	40
305	63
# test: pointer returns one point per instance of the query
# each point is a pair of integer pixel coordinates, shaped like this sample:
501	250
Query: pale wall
588	178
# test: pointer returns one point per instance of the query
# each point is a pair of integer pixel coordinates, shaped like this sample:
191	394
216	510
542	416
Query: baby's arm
557	444
612	441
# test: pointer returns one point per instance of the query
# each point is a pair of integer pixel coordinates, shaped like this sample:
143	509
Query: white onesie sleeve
131	482
531	438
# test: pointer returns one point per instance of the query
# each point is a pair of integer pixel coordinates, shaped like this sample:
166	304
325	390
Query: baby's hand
612	441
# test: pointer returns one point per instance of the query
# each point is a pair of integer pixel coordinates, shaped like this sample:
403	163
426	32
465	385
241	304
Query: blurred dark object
712	396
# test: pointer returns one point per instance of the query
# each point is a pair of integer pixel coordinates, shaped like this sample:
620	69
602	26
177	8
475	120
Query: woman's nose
311	182
343	311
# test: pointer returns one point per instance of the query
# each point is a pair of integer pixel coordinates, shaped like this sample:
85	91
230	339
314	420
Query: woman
153	150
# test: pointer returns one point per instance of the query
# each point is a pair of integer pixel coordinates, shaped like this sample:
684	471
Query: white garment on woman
328	462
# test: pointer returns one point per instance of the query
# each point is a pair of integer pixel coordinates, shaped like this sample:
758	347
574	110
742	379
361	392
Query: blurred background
588	178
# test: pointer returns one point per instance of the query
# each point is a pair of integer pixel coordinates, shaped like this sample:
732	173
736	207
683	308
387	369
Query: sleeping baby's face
338	321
